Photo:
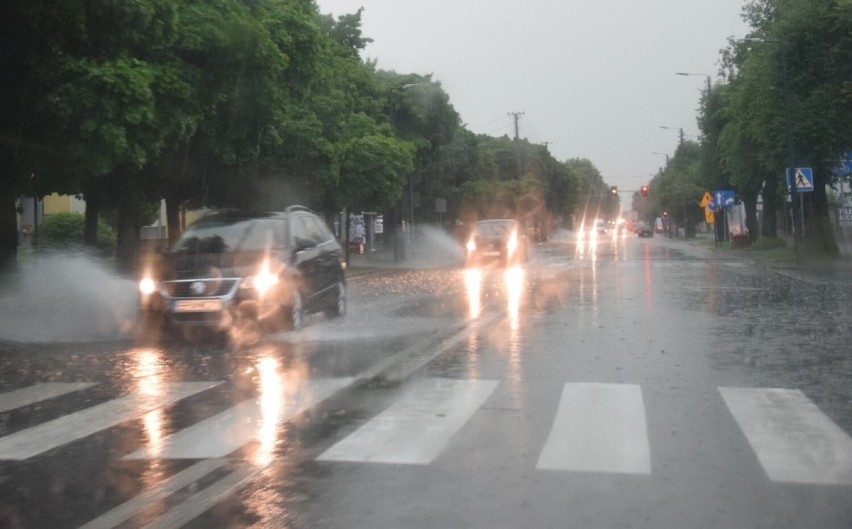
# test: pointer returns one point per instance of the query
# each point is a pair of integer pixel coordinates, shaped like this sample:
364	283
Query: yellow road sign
708	215
706	200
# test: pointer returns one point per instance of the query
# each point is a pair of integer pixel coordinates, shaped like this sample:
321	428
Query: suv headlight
261	281
148	286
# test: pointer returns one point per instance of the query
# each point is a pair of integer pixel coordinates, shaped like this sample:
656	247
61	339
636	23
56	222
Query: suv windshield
217	236
494	228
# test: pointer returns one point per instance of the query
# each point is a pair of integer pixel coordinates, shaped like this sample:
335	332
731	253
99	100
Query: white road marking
162	490
793	440
598	428
239	425
38	392
47	436
417	427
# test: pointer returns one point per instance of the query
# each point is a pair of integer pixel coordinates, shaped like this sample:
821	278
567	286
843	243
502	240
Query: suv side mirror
304	244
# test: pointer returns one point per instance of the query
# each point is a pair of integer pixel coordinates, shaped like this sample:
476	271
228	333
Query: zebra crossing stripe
418	426
793	440
598	428
37	393
47	436
239	425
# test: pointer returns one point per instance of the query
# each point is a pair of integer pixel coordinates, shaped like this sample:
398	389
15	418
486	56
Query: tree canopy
244	103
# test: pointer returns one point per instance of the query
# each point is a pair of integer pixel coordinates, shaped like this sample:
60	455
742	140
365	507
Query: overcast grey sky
595	78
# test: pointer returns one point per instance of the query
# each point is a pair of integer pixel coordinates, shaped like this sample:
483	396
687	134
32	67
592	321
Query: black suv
235	270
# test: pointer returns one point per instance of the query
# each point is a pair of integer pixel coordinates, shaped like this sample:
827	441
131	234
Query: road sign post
800	180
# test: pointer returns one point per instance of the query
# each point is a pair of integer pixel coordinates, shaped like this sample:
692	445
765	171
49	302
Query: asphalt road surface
640	383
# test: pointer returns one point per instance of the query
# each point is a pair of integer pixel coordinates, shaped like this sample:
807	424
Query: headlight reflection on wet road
513	279
271	400
148	372
473	286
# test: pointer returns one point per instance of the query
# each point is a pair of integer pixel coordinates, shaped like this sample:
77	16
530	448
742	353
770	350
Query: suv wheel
296	312
337	302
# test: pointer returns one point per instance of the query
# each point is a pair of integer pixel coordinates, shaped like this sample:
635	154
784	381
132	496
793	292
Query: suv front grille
200	288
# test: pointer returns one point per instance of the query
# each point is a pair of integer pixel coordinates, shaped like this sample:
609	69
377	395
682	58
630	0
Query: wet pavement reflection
612	309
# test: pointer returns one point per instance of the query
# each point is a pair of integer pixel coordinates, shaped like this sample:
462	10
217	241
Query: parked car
502	240
238	269
643	230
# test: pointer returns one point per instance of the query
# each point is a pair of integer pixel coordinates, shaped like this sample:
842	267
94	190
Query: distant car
643	230
262	270
502	240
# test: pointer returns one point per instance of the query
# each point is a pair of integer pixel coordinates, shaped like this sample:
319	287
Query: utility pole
518	163
516	116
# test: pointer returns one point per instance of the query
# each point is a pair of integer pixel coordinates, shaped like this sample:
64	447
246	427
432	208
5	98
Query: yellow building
57	203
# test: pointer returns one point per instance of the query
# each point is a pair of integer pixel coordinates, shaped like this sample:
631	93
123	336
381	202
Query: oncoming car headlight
147	286
471	245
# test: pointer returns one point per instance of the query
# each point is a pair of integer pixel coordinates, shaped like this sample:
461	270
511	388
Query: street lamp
678	129
662	154
400	88
788	135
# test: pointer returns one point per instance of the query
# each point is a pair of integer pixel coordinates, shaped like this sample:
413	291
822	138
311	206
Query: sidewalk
818	271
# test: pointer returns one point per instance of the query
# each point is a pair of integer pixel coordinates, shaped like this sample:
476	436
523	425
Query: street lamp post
406	86
798	231
399	252
679	133
719	232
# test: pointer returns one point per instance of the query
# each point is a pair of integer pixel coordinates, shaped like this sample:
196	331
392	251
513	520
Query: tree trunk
173	219
8	231
127	243
90	228
819	236
769	219
750	203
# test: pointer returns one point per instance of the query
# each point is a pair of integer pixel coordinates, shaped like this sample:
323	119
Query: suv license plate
198	305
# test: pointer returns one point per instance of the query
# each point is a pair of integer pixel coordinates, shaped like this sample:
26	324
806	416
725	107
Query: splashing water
433	247
66	297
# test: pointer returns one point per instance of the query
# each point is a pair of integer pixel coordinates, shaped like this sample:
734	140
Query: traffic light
613	190
643	191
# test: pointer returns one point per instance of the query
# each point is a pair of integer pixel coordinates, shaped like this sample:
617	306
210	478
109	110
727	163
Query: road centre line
203	500
598	428
47	436
38	392
411	359
794	441
130	508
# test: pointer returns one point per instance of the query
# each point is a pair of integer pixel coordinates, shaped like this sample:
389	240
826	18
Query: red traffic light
644	191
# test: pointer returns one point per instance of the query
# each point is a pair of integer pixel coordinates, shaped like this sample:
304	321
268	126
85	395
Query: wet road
638	383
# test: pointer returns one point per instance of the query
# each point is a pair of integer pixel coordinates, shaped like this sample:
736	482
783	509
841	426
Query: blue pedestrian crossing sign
802	178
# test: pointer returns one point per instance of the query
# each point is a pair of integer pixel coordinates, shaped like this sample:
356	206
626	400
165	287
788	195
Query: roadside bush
768	243
65	230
